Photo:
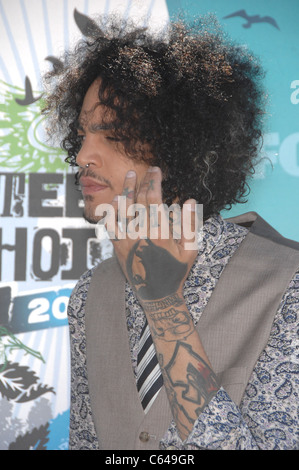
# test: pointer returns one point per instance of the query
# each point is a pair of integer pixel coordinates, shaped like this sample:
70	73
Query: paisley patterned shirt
267	417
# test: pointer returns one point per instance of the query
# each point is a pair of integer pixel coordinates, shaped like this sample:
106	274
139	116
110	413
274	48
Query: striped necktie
149	376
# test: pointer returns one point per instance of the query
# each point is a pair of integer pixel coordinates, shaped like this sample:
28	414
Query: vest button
144	436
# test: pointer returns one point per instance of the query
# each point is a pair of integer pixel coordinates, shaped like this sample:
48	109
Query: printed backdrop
44	243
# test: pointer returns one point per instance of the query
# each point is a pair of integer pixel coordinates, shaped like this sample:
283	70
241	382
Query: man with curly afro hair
175	339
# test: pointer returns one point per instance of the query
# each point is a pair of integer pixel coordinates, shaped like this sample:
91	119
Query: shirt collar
210	235
215	232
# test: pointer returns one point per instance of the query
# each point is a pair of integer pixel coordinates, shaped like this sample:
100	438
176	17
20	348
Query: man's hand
155	268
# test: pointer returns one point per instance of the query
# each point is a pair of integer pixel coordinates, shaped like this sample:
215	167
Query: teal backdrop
270	29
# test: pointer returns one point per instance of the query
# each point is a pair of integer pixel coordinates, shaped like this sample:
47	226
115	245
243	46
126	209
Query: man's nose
89	154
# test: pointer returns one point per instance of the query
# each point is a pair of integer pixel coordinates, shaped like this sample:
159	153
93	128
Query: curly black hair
191	96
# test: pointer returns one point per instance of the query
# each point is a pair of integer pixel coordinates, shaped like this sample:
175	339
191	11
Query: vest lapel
115	403
236	323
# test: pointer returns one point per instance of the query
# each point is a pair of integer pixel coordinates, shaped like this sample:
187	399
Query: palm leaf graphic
11	343
22	136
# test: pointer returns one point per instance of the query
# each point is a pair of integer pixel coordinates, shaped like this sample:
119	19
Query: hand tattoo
163	272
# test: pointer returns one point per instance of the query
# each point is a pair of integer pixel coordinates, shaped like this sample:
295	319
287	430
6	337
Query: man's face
107	164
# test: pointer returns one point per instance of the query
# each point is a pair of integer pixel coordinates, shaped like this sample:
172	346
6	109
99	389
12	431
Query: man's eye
112	138
81	138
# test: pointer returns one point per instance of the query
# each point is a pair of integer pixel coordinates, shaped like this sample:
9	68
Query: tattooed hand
155	268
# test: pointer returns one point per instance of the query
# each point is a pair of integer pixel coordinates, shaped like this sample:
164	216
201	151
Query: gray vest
234	329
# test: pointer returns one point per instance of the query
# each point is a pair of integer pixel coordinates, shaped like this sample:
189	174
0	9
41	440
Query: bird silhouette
252	19
57	63
29	99
89	28
86	25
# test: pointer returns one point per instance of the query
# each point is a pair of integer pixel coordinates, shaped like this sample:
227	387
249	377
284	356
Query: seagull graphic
57	63
89	28
29	99
86	25
253	19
